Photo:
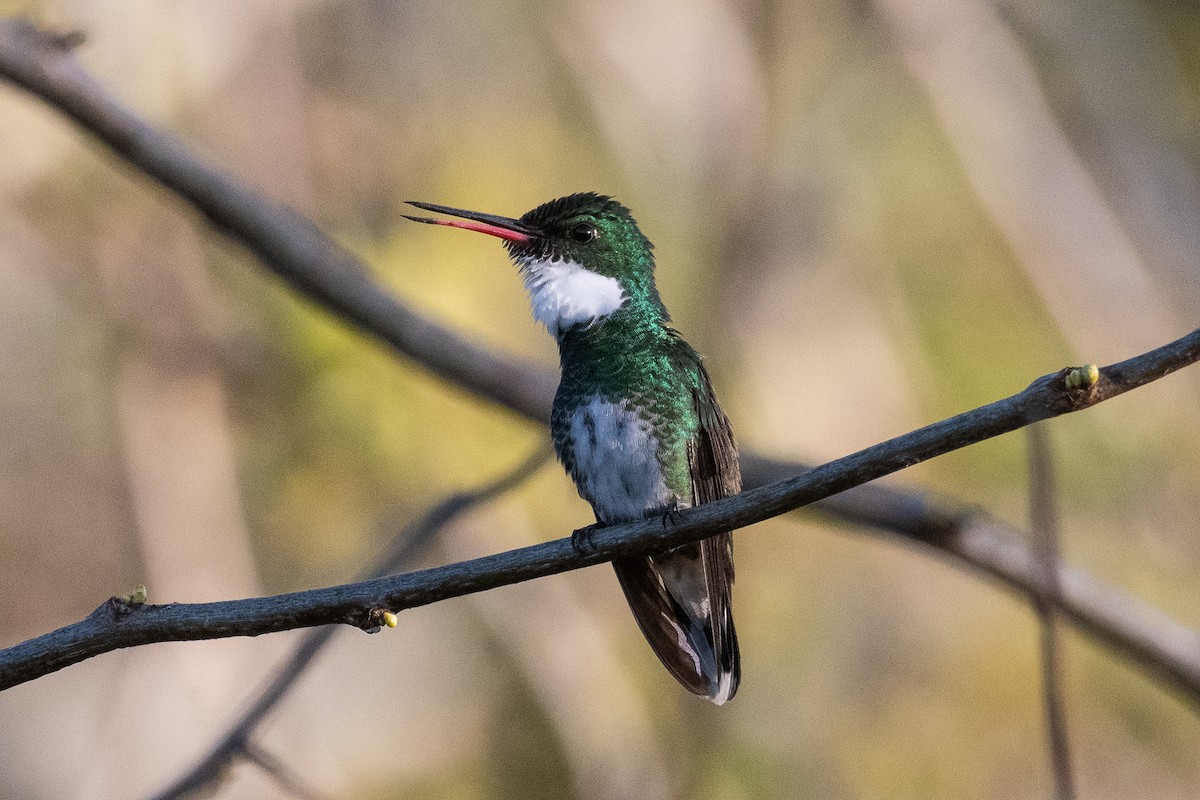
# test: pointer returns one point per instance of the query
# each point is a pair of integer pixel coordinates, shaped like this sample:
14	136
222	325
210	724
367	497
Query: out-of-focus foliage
867	215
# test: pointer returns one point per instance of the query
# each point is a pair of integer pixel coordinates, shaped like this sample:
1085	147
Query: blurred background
868	215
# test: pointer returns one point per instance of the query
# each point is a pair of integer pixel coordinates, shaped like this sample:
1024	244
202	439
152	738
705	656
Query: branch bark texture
40	62
117	624
403	548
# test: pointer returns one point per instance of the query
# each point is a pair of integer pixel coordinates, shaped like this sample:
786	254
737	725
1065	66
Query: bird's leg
581	539
671	515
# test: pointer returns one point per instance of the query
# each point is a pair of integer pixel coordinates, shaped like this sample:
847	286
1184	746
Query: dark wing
713	453
716	473
681	598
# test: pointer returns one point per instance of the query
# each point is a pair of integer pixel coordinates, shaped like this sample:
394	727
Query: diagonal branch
117	624
403	548
39	62
1043	513
285	778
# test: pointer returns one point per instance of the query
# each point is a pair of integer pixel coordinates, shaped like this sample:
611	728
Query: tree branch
286	779
117	624
38	61
1043	519
405	546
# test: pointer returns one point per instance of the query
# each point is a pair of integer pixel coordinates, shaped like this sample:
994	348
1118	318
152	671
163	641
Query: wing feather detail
682	598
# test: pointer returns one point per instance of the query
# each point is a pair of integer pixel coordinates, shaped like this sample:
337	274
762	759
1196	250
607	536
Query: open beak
511	230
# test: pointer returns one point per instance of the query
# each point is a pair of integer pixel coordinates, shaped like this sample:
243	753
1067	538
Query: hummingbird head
582	257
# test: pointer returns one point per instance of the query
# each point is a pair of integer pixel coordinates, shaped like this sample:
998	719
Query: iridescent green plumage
635	421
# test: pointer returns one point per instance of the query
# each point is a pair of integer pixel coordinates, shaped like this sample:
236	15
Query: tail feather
680	600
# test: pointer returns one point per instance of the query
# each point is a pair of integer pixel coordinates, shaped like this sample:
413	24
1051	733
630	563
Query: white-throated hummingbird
635	421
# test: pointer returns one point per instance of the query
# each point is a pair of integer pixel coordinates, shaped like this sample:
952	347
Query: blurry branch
1167	650
1026	172
286	779
1043	521
40	63
403	548
117	624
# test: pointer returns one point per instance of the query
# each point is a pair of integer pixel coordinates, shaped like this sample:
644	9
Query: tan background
867	215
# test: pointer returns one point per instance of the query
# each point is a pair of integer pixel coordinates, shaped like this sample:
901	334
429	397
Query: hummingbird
634	422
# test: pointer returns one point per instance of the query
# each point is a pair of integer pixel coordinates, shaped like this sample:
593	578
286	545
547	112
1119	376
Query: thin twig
402	549
286	778
1043	522
295	249
290	245
116	624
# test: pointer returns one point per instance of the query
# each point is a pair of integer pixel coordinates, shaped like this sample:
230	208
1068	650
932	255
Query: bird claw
581	539
672	515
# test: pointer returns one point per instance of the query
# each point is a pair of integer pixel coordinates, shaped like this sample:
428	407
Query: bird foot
671	516
581	539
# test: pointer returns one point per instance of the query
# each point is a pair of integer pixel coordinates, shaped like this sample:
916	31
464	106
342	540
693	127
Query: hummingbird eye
584	233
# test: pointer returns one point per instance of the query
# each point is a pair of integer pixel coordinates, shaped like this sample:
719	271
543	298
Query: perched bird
635	421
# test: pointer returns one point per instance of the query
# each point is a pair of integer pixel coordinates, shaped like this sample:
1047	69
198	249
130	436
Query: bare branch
1132	628
35	61
403	548
287	780
117	624
1043	514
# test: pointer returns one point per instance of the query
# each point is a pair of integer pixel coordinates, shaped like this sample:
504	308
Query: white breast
563	294
616	462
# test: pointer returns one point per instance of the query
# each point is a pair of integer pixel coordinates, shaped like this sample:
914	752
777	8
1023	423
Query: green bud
1084	377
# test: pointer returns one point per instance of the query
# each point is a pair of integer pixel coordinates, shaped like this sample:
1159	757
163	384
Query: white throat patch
564	293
